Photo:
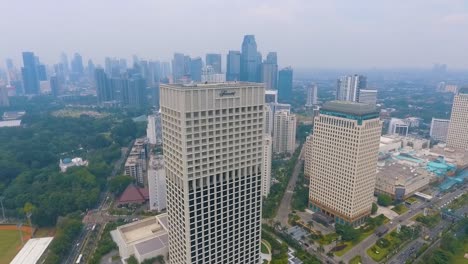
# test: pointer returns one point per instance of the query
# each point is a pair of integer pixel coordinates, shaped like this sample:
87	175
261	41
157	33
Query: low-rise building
134	168
144	239
399	180
67	163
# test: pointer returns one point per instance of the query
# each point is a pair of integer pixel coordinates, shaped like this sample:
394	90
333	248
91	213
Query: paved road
361	248
99	216
285	206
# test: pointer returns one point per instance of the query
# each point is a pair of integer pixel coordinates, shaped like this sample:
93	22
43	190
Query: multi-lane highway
361	248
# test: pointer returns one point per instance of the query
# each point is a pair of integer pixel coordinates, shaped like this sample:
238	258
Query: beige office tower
457	136
284	132
266	165
345	147
308	156
213	148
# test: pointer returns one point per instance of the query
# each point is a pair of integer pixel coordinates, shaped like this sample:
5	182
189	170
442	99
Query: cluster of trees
384	200
303	255
67	229
429	220
281	171
29	158
279	254
106	244
300	198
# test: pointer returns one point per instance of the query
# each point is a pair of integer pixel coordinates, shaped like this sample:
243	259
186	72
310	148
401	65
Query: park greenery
300	198
374	208
400	209
105	244
300	253
29	158
429	220
67	229
392	242
384	200
453	246
281	171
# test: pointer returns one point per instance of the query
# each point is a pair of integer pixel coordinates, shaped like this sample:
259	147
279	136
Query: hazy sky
305	33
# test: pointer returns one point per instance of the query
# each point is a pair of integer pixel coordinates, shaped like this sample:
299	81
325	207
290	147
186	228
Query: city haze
306	34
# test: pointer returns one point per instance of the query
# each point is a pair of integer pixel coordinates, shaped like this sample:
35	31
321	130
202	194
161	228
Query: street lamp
3	209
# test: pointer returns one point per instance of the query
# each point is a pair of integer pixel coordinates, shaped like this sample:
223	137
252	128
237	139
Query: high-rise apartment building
345	147
284	132
54	86
439	129
347	87
285	84
367	96
271	96
30	74
233	61
266	164
269	119
214	60
196	66
157	183
249	60
178	70
103	89
213	148
457	136
269	71
137	91
311	95
4	101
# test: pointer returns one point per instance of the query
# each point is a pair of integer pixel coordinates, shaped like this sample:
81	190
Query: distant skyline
305	33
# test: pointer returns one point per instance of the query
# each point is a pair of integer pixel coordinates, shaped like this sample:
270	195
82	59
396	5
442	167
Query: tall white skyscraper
347	87
157	183
345	147
311	95
154	130
213	151
266	165
284	132
457	136
269	119
439	129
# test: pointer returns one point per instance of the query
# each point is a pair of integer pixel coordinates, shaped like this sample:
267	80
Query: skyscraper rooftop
347	107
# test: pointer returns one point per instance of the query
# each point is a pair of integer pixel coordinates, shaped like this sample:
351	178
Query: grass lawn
400	209
10	244
412	200
356	260
264	248
377	256
459	258
328	239
350	244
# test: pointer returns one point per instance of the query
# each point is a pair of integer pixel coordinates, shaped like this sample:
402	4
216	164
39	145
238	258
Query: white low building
157	183
143	239
67	163
32	251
